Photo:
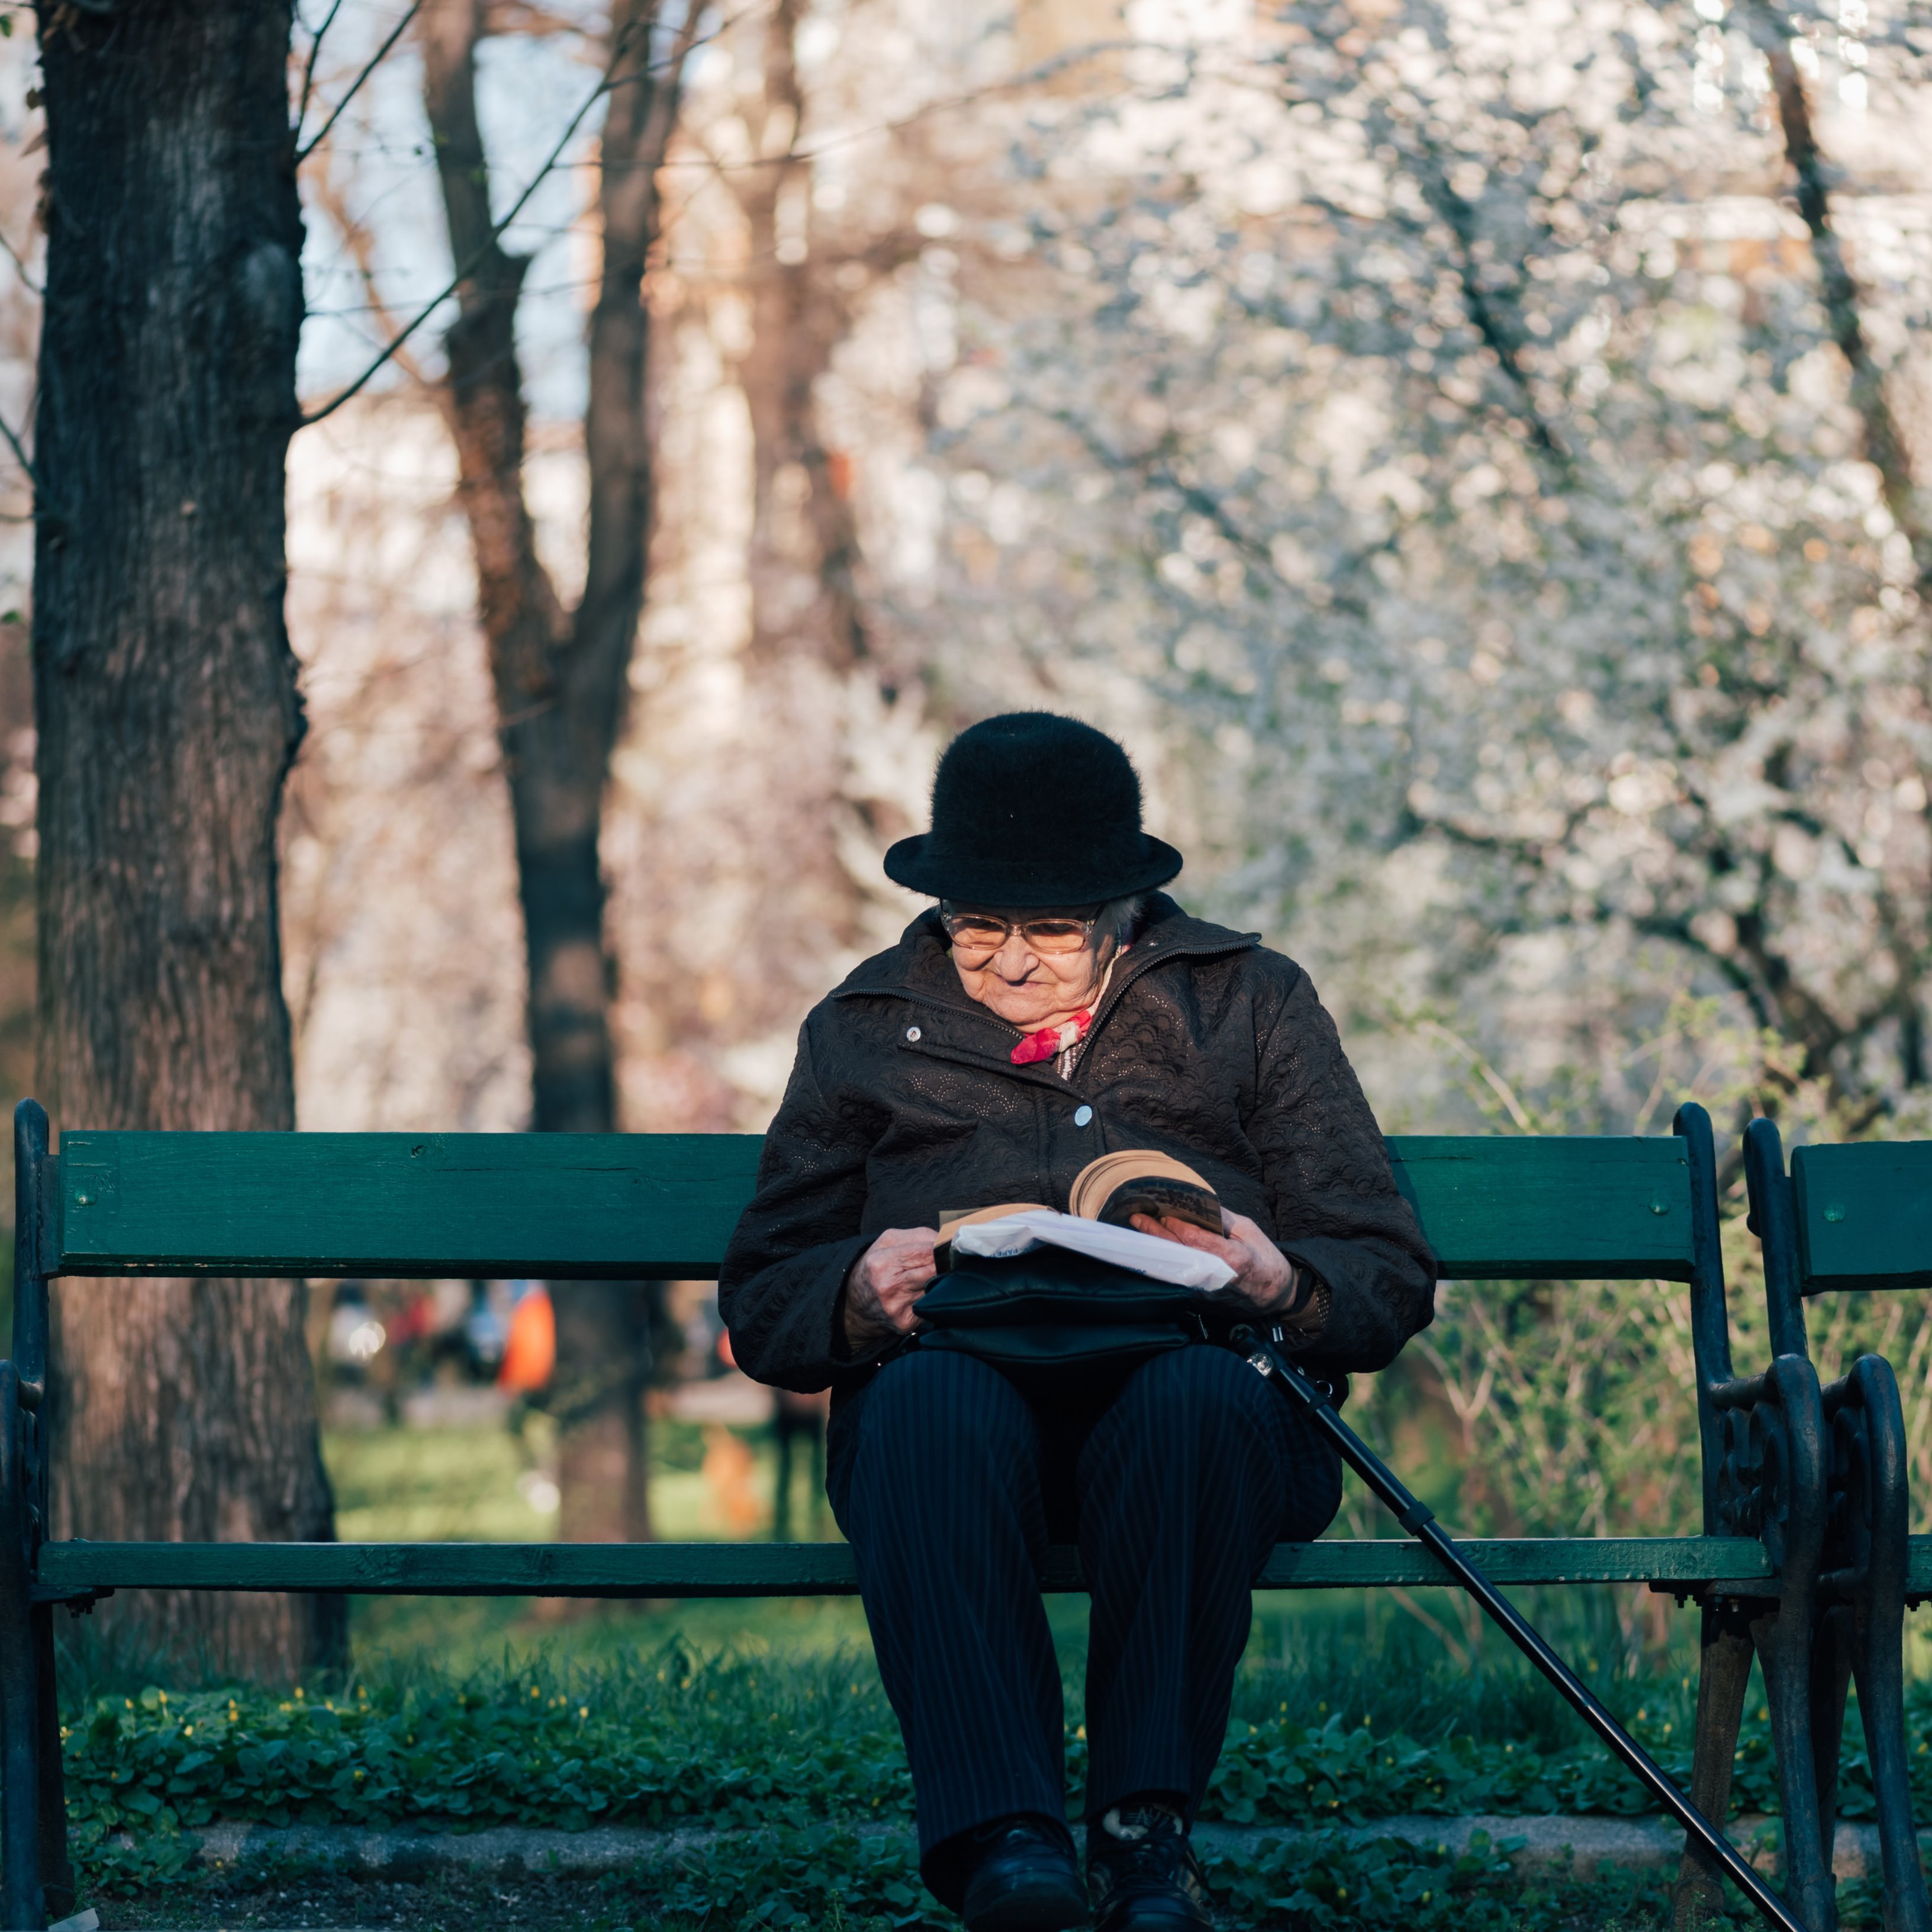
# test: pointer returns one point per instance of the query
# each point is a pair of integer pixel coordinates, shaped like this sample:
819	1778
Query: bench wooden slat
572	1207
560	1207
816	1569
1552	1207
1864	1215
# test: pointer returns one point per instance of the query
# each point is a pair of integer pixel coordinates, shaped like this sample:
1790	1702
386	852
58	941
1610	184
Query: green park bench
563	1208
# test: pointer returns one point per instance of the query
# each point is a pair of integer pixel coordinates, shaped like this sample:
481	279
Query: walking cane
1420	1522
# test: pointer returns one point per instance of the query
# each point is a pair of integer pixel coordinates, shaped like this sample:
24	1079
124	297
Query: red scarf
1050	1042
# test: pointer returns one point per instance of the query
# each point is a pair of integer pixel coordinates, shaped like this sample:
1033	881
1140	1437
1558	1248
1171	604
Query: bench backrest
647	1207
1864	1214
569	1207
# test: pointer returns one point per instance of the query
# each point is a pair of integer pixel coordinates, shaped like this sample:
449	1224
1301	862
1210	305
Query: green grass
460	1484
430	1486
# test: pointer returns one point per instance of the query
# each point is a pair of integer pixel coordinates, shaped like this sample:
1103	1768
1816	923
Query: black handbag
1049	1317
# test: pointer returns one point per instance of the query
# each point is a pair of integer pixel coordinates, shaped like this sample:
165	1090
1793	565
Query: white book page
1119	1247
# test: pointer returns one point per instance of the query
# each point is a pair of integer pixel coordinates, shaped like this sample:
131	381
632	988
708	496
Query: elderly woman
1052	1008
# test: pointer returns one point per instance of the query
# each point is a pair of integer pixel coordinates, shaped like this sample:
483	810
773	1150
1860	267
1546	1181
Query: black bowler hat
1032	810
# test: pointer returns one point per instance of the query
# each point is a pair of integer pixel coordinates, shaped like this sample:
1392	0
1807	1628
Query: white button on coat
1082	1115
912	1033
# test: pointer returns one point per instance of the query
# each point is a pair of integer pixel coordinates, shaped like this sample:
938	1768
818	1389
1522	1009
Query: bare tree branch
13	255
308	66
467	265
20	455
369	67
357	239
1501	332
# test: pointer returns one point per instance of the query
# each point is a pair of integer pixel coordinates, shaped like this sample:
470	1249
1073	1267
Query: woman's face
1029	989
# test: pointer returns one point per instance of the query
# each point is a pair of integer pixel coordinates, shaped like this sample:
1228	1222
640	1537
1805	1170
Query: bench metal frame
1855	1217
566	1208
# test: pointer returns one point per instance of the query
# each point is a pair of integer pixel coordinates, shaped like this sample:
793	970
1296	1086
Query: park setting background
1474	457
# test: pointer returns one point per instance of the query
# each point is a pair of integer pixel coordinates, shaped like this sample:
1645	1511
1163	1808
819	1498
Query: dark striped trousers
949	1484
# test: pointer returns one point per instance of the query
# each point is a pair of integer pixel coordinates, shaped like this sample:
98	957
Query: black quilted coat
904	1102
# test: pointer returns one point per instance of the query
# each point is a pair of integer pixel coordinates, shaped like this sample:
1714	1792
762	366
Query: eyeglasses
978	934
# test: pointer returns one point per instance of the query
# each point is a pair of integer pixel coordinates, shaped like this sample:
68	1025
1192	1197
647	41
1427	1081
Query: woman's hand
1264	1277
883	1290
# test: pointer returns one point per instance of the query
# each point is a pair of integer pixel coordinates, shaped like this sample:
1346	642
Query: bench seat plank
1864	1215
814	1569
565	1207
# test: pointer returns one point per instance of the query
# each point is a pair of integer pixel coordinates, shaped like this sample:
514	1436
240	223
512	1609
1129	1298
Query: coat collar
918	968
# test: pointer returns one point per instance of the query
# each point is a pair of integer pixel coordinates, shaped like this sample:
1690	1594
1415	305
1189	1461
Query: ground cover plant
738	1743
797	1758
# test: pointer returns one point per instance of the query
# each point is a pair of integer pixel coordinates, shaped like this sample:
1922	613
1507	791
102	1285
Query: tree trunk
1887	446
804	557
167	713
561	681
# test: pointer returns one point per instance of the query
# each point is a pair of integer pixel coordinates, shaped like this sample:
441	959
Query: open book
1106	1195
1114	1189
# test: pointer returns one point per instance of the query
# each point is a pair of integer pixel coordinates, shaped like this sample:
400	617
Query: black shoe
1025	1880
1142	1873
